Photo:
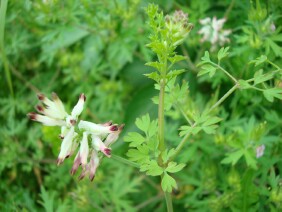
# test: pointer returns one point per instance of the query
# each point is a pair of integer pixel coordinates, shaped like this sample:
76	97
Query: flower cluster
178	24
213	32
76	133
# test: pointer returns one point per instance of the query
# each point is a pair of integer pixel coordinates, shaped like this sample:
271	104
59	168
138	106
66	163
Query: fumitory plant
149	149
215	141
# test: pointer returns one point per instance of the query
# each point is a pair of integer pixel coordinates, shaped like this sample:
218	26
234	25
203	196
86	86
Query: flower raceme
212	31
76	133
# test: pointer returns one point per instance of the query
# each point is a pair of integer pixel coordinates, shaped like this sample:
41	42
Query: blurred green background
98	48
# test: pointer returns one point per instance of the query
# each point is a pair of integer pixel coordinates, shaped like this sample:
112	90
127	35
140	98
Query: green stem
226	72
224	97
3	9
181	144
183	113
184	140
161	116
273	64
125	161
168	202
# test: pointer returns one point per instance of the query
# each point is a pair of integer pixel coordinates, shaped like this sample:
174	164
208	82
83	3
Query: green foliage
220	104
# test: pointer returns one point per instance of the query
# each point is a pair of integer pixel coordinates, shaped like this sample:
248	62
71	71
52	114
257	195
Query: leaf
154	76
261	59
244	84
176	58
233	157
152	168
207	69
174	73
211	121
250	159
223	52
141	154
143	123
167	154
206	57
168	183
272	93
174	167
189	130
47	199
155	64
259	77
134	138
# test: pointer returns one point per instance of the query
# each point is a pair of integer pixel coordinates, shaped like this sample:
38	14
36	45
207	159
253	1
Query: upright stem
168	202
161	116
161	121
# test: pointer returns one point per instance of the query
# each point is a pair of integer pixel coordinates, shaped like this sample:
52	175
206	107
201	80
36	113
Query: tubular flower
212	31
76	134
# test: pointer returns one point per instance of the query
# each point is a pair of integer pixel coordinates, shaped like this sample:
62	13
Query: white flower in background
212	31
100	136
260	151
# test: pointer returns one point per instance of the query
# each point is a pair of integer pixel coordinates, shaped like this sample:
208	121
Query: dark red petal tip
73	122
91	178
40	96
39	108
59	161
82	96
32	116
114	128
108	151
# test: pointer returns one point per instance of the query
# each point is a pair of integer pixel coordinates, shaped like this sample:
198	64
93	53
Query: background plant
99	48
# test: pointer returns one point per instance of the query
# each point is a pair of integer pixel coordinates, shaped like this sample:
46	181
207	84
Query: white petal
76	111
66	145
96	129
98	145
45	120
84	149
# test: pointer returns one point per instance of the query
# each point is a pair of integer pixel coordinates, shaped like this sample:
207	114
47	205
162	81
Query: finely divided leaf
168	183
233	157
207	69
152	168
134	138
174	167
259	60
223	52
259	77
272	93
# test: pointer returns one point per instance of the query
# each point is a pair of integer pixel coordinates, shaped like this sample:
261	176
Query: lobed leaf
168	183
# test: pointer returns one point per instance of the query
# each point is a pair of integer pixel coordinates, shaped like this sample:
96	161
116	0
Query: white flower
102	135
212	31
260	151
